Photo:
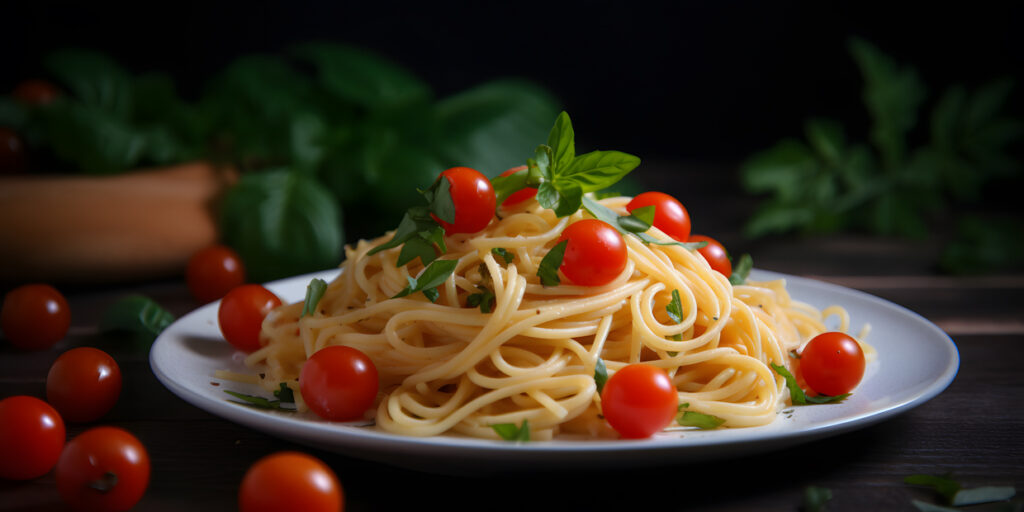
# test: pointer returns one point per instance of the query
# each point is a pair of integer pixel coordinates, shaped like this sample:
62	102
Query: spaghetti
449	367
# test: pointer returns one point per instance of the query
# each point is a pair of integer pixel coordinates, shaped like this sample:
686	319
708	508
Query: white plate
916	361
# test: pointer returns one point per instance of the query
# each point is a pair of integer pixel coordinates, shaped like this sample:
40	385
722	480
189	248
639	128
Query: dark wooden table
975	429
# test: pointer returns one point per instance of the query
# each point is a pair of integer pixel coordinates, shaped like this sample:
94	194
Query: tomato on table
832	363
31	437
241	315
639	400
213	272
714	253
669	214
83	384
521	195
290	481
339	383
35	316
473	197
103	468
595	253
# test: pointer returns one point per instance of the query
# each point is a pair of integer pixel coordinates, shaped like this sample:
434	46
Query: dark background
701	81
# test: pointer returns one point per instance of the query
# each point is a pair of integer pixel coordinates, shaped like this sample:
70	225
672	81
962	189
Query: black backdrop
709	81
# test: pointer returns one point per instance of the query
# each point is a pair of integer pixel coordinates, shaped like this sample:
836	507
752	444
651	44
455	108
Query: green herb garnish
797	395
433	276
504	254
600	375
138	314
548	269
314	292
484	299
639	220
741	270
260	402
697	419
601	212
510	432
675	312
418	233
954	494
815	499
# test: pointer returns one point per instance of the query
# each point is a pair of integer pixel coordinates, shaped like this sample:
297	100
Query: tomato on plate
832	363
714	253
639	400
241	315
339	383
290	481
595	254
521	195
31	437
473	197
213	272
83	384
669	214
36	92
103	468
35	316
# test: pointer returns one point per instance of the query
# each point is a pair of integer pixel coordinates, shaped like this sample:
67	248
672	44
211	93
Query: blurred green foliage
318	130
890	185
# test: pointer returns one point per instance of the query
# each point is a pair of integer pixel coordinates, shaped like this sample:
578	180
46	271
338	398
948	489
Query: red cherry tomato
290	481
104	468
36	92
639	400
241	315
31	437
212	272
474	200
83	384
832	363
595	254
714	253
669	214
35	316
13	155
520	196
339	383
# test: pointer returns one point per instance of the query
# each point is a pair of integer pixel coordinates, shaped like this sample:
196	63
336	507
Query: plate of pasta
525	319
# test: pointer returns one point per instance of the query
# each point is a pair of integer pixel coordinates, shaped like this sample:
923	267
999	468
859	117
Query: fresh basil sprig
484	299
314	292
548	269
600	375
638	220
510	432
797	395
602	212
699	420
675	312
504	254
433	276
560	176
742	270
138	314
421	235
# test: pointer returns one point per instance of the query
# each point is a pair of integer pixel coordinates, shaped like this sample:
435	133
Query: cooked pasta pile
449	367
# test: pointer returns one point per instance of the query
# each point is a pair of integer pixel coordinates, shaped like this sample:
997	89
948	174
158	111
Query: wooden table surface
975	429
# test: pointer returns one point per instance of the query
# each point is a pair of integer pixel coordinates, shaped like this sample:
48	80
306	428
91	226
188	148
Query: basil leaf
508	185
699	420
93	78
602	212
944	485
510	432
634	224
423	237
600	375
258	402
138	314
797	395
815	499
285	393
439	198
548	269
542	157
564	200
742	270
503	253
645	214
675	308
433	276
597	170
314	292
484	299
562	141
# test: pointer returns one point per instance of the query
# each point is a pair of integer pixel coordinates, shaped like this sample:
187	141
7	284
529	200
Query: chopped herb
675	312
503	253
421	235
797	395
314	292
639	220
510	432
433	276
138	314
600	375
699	420
285	394
260	402
741	270
484	299
815	499
548	270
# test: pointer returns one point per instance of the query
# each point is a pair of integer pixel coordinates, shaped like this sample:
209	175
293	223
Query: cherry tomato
241	315
212	272
639	400
31	437
520	196
339	383
595	254
290	481
83	384
103	469
832	363
35	316
669	214
13	155
36	92
714	253
474	200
